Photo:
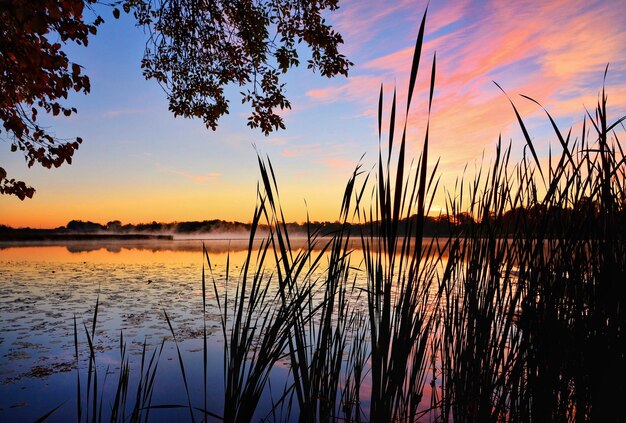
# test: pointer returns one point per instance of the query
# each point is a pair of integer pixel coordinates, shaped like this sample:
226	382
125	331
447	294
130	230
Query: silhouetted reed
533	317
515	314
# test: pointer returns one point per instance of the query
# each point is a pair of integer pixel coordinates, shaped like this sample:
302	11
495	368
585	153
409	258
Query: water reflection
123	251
44	285
144	250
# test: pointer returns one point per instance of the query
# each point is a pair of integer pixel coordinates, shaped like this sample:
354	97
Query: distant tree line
550	221
213	227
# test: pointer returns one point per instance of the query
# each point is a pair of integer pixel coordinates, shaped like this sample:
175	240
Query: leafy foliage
37	75
198	48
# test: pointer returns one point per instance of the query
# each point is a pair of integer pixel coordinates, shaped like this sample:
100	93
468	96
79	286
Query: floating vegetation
515	313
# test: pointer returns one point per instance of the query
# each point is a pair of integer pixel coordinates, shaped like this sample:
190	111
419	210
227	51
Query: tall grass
400	272
516	315
124	406
533	317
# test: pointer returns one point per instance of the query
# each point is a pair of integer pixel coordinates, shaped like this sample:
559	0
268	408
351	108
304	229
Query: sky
138	163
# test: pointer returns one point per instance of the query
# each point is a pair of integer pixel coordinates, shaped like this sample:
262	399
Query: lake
46	287
43	287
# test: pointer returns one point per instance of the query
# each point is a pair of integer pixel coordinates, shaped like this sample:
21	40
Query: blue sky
138	163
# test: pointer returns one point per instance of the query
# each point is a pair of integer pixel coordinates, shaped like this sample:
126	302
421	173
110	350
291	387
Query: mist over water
44	285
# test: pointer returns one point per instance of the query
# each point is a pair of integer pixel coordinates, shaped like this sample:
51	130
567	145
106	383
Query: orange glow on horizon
139	164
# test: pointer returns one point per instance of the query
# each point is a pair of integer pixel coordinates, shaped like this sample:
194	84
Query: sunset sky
138	163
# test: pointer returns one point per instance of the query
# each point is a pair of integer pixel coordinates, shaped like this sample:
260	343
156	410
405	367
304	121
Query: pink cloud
198	178
302	150
360	21
338	163
336	157
552	51
356	88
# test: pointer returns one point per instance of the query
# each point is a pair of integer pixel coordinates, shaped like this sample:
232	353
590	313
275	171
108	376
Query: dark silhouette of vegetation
516	315
432	226
36	75
534	218
195	50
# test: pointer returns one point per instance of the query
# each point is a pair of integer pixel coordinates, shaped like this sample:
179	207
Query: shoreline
17	237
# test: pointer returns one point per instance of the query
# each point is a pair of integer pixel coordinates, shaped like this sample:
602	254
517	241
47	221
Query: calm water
43	287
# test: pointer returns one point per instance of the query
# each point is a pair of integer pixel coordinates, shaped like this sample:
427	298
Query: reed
533	314
400	270
255	332
515	314
318	308
123	407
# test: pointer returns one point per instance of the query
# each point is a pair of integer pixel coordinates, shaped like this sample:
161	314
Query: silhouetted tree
196	48
35	75
114	226
86	227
